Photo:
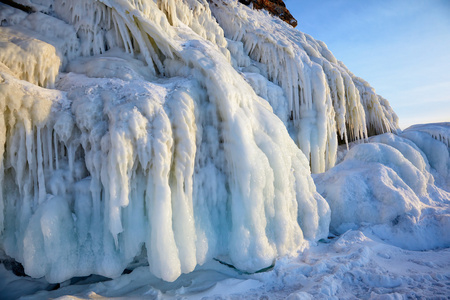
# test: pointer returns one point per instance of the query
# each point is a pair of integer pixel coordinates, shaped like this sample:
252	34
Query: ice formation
179	131
325	100
28	58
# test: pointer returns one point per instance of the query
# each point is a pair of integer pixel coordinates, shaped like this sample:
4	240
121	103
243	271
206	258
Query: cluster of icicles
164	137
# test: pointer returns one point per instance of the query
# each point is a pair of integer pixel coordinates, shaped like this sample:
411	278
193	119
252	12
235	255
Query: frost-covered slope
168	131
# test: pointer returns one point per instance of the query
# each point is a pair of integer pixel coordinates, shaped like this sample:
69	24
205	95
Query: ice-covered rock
179	131
28	58
326	102
184	168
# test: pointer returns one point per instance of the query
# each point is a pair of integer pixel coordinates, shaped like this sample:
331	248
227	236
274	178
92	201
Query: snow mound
388	187
439	131
433	140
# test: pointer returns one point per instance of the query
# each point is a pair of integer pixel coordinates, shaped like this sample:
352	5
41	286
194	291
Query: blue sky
401	47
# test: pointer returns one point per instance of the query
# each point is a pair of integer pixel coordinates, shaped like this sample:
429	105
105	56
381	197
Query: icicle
40	167
49	148
55	144
169	9
181	108
164	257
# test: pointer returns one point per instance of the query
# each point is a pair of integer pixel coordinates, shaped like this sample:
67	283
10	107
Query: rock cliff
275	7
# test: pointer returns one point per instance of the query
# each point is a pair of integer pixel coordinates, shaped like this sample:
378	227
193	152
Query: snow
355	265
176	140
439	131
433	139
387	186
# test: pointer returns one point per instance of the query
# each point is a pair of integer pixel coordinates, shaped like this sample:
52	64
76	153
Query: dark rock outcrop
275	7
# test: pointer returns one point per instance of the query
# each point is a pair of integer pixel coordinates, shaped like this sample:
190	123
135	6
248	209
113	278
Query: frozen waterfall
178	131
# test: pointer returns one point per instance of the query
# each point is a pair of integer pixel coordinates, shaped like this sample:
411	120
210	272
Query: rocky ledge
275	7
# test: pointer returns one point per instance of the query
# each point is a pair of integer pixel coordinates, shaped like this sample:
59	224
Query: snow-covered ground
189	149
350	266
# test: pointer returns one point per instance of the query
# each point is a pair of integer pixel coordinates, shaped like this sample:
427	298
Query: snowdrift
177	132
394	187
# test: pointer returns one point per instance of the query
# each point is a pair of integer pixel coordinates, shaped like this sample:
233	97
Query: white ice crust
183	131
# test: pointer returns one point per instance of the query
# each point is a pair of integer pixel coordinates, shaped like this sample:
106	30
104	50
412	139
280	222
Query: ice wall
168	134
152	145
325	100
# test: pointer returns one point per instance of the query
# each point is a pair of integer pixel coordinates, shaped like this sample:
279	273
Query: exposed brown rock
275	7
14	4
